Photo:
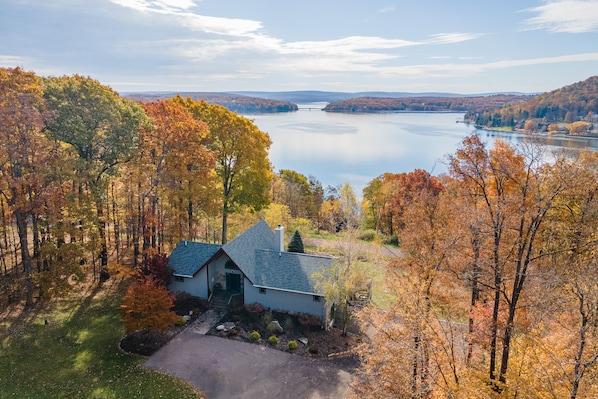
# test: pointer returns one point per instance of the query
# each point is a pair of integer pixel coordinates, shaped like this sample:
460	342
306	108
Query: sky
459	46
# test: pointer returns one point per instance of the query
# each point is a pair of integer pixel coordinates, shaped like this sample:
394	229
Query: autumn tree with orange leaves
146	306
175	173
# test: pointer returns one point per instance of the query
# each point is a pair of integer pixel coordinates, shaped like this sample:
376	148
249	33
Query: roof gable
242	249
188	257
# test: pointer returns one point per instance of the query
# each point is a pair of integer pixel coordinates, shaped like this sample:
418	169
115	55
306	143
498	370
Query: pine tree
296	244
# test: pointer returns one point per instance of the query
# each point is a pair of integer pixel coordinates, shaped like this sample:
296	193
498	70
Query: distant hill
576	102
312	96
234	102
422	104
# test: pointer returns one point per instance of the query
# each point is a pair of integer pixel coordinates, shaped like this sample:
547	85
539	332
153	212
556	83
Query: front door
233	282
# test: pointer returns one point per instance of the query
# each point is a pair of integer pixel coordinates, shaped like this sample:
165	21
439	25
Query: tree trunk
154	215
104	275
494	326
224	226
116	225
190	221
475	289
21	219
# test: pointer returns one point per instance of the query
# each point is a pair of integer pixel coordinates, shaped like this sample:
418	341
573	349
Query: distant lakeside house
254	268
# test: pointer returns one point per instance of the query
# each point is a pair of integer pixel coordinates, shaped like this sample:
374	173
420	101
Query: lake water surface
337	148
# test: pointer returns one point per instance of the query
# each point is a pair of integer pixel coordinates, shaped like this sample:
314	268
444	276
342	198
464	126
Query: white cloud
386	9
570	16
177	12
449	38
464	69
10	61
346	45
157	5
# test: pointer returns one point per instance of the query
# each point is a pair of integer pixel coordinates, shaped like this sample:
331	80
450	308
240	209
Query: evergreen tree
296	244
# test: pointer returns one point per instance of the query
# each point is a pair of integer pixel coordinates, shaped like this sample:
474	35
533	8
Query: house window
317	298
262	290
179	279
230	265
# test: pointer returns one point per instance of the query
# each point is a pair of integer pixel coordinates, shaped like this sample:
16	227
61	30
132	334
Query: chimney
279	239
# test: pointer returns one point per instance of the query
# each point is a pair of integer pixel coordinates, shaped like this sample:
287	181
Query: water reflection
336	148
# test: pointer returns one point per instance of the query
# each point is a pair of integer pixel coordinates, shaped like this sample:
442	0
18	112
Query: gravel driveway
225	368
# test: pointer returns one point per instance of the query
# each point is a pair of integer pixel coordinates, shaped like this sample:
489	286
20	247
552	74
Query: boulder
304	341
229	325
220	328
274	327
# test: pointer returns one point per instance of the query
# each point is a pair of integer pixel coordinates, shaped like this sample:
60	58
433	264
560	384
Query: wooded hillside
573	103
422	104
234	102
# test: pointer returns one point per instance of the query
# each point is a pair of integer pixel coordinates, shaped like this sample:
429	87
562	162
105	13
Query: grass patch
76	354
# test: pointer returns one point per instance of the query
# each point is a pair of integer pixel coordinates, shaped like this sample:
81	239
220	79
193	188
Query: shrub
233	332
288	323
292	345
391	240
308	320
313	350
267	318
254	308
180	322
273	339
368	235
254	335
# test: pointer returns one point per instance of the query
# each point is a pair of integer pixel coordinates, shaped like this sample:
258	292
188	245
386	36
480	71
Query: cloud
386	9
567	16
10	61
246	39
449	38
465	69
177	12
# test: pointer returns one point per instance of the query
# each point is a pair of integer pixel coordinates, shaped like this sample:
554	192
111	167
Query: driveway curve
225	368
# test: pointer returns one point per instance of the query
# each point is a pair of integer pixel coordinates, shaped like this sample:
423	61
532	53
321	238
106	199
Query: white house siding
195	286
285	301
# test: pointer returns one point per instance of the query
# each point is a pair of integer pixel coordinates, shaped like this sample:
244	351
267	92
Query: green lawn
76	355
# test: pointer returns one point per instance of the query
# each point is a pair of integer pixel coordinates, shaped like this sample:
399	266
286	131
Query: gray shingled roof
256	255
289	271
188	257
242	249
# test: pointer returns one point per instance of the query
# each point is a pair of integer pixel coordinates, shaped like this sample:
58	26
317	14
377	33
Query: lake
337	148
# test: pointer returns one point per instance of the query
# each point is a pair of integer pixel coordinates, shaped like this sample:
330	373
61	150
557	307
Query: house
253	268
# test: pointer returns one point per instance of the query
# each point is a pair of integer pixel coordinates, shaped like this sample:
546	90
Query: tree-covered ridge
423	104
235	103
573	103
